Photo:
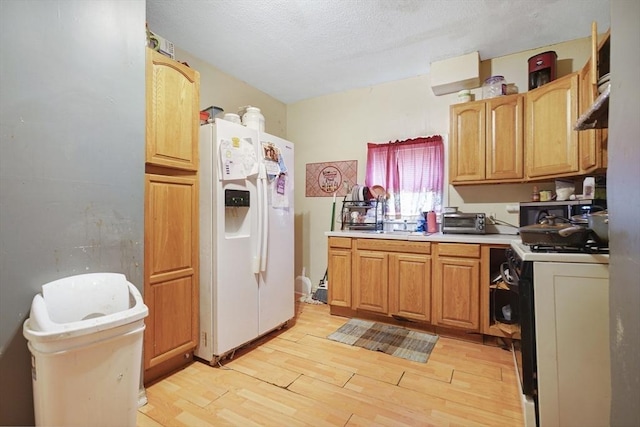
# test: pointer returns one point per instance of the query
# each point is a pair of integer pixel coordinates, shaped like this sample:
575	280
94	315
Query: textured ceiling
299	49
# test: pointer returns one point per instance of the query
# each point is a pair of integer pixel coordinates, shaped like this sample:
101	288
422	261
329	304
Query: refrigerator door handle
265	219
255	264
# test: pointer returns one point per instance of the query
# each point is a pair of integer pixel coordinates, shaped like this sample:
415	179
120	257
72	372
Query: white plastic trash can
85	337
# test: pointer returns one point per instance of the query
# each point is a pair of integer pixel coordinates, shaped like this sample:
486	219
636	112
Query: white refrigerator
246	236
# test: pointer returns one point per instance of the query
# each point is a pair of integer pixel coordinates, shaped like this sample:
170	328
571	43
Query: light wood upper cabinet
487	141
456	286
467	149
171	267
551	143
339	272
593	142
505	138
172	110
588	140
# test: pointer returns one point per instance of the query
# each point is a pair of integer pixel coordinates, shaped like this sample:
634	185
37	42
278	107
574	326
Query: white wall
623	201
337	127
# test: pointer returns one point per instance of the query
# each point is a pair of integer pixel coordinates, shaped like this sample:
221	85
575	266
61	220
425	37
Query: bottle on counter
535	196
432	225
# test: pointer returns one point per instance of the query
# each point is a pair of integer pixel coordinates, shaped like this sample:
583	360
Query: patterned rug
394	340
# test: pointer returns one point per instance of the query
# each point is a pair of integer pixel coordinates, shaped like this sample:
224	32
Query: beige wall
229	93
338	126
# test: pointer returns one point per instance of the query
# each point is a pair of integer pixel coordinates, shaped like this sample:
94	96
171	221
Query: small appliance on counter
463	223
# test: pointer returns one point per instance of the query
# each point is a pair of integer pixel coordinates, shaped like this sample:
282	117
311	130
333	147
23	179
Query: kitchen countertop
523	250
415	236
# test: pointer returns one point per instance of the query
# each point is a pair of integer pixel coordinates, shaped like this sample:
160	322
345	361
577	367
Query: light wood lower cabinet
171	267
410	286
392	277
436	283
339	272
456	286
371	281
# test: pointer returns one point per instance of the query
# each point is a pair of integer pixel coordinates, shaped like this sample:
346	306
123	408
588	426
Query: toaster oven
463	223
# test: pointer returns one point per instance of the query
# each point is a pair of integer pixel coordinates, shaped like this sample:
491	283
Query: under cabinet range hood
597	117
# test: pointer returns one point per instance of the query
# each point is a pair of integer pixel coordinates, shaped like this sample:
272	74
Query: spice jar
535	196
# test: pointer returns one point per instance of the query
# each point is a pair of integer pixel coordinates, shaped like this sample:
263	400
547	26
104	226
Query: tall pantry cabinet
171	255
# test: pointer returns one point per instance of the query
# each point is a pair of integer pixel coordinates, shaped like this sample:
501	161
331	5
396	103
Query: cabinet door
171	266
467	146
590	141
339	277
572	338
370	281
552	144
410	286
173	113
457	293
504	132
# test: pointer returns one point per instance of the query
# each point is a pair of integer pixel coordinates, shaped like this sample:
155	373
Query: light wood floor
297	377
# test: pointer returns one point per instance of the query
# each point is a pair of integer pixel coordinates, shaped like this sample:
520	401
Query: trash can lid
83	304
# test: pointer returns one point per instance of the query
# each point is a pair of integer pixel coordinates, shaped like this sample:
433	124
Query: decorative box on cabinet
487	141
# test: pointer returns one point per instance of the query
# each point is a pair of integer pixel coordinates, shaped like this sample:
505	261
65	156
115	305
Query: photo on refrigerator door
271	157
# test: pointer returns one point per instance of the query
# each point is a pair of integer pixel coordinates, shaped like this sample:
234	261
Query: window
411	171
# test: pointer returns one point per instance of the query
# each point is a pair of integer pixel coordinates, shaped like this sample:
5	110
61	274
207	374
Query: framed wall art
325	179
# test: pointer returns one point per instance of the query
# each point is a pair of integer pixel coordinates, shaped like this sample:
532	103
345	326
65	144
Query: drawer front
465	250
340	242
394	246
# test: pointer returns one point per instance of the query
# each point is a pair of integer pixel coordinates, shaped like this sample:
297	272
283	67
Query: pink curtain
413	165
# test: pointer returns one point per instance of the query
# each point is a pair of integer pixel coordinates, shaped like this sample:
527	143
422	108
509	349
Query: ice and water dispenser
236	213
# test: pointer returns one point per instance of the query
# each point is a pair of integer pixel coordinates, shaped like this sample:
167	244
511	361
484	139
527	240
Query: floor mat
394	340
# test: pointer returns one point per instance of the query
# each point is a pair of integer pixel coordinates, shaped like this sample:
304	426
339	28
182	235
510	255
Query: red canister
432	225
